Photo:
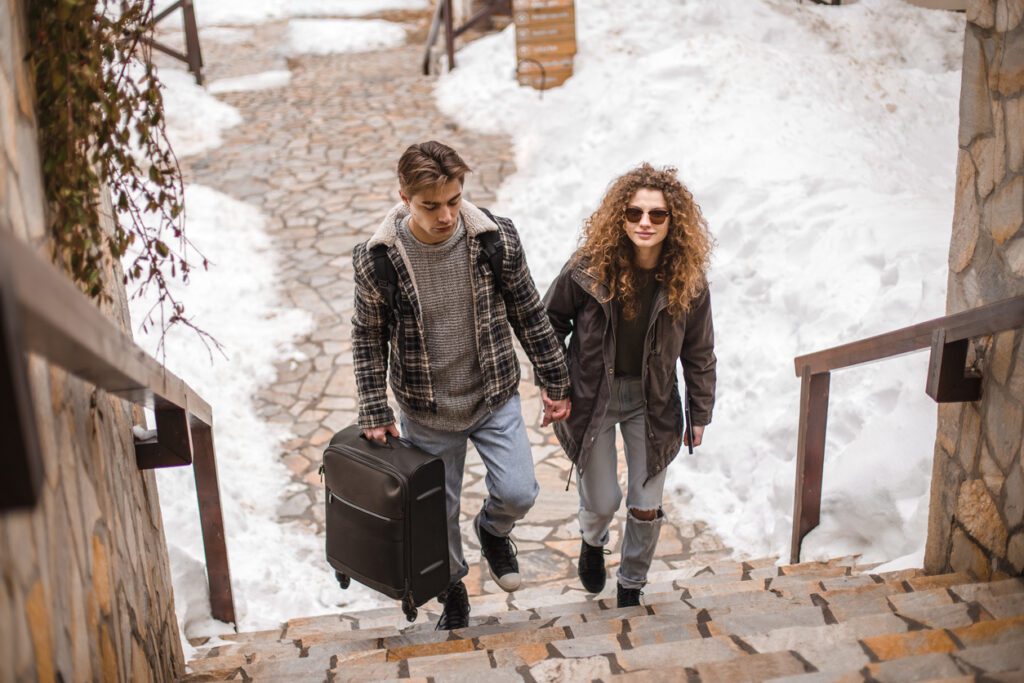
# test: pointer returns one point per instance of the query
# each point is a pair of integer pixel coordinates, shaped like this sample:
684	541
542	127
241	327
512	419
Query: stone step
646	639
592	627
734	613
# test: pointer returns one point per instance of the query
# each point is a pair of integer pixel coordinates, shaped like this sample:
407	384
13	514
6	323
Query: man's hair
429	165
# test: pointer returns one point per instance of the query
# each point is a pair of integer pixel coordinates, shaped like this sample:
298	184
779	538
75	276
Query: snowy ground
821	144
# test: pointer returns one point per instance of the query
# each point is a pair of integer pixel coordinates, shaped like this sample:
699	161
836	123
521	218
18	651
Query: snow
820	142
326	36
278	78
194	119
248	12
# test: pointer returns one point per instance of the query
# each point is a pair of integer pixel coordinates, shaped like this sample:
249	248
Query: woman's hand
698	436
554	411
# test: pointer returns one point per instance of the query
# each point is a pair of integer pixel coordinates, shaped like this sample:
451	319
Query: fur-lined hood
475	220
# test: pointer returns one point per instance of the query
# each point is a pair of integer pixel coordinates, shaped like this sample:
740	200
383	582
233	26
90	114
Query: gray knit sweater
441	273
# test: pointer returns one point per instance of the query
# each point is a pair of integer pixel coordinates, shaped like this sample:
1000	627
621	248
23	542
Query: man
453	369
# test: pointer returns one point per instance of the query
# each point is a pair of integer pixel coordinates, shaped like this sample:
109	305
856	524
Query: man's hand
698	436
380	434
554	411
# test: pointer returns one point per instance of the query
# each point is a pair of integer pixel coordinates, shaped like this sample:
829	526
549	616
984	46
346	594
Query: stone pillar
85	585
977	499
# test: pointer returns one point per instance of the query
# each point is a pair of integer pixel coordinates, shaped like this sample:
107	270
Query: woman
632	300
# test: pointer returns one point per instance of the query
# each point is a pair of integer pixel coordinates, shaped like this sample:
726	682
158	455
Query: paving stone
919	668
683	653
900	645
943	616
558	670
761	622
588	646
498	675
449	663
990	632
811	639
751	668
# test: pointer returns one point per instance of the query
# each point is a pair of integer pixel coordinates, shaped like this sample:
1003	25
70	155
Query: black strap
387	276
492	252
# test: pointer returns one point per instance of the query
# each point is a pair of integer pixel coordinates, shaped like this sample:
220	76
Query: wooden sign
545	41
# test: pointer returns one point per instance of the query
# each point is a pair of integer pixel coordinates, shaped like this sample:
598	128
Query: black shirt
631	334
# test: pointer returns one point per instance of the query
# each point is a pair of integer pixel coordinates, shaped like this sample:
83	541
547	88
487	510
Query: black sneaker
456	608
500	554
590	566
627	597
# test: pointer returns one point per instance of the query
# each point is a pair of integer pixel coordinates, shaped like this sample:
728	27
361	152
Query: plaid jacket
391	341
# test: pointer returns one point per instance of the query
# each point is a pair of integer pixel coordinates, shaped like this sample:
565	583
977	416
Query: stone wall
86	587
977	503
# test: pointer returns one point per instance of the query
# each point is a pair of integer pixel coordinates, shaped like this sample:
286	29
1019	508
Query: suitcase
386	518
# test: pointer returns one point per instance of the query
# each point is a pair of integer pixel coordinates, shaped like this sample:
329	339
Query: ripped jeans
600	495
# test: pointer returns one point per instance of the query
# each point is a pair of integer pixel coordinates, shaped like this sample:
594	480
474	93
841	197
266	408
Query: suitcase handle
388	438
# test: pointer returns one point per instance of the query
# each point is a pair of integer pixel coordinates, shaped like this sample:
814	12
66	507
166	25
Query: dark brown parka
579	307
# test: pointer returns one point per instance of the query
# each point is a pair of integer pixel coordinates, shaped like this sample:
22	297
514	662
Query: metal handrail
42	312
947	382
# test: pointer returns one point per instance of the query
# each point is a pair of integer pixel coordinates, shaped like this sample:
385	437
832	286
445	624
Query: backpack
491	251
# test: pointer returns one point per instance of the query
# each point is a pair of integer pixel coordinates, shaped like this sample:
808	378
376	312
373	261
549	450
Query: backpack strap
493	252
386	275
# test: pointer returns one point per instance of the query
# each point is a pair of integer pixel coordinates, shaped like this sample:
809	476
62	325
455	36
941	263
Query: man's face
435	212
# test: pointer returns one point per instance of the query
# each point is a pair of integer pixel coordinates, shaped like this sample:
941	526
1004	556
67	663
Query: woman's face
643	212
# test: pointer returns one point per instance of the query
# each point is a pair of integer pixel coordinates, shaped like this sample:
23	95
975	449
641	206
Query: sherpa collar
475	220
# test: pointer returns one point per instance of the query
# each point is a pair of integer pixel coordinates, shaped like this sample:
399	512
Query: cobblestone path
317	158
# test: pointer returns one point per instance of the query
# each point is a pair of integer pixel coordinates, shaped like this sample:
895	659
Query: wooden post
947	382
810	456
192	50
449	30
173	444
211	517
22	461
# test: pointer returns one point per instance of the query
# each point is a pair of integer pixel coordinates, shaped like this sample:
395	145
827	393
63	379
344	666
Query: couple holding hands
630	301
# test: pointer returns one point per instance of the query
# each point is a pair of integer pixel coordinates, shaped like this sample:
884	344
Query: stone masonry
977	501
85	593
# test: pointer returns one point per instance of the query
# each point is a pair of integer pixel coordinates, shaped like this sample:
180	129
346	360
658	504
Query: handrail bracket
948	379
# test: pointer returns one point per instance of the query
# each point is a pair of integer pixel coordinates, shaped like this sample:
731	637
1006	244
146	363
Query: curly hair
609	254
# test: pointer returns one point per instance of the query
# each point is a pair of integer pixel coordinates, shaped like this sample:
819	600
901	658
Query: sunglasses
658	216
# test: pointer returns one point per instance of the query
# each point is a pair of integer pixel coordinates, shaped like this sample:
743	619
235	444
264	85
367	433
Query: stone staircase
727	621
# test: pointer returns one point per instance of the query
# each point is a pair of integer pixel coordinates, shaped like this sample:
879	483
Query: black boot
456	608
590	567
627	597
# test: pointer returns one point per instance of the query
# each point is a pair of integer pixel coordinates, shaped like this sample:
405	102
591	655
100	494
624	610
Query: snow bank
326	36
264	80
195	119
247	12
821	144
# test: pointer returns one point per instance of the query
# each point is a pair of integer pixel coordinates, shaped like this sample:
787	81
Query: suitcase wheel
343	580
409	608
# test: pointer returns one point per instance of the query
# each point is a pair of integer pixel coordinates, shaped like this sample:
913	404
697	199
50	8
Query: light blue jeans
501	440
600	495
